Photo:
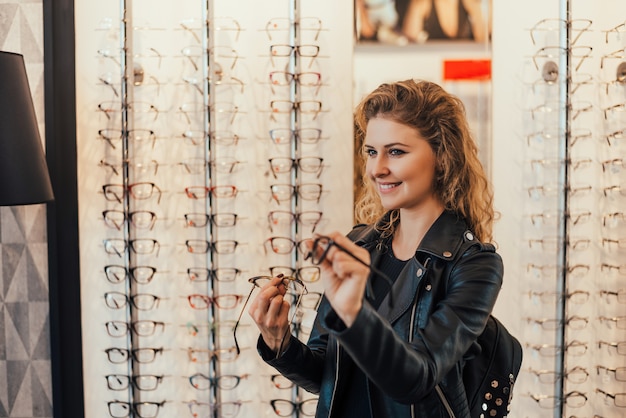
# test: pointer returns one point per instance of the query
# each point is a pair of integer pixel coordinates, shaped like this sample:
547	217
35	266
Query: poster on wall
405	22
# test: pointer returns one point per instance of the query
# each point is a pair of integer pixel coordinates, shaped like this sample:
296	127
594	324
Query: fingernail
280	275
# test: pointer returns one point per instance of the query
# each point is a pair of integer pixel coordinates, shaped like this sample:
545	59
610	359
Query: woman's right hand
270	311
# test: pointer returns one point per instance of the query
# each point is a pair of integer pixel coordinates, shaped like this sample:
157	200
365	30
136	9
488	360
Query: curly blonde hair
460	181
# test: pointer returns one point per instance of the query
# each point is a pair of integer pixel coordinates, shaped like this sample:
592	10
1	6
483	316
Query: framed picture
405	22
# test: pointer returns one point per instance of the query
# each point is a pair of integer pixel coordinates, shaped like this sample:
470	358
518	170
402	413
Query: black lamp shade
24	177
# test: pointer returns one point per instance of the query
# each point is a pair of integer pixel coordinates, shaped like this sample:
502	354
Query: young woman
381	349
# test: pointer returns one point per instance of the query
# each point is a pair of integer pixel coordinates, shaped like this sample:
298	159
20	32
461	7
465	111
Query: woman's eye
370	152
395	151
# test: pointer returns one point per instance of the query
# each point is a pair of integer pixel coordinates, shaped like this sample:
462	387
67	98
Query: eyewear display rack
576	93
210	135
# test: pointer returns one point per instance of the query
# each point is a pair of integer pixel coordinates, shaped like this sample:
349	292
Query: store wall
25	379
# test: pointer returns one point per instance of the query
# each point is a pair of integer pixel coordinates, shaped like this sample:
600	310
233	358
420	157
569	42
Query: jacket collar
443	240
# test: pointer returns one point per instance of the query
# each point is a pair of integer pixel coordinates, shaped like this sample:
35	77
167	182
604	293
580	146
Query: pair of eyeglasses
221	54
139	191
615	138
226	409
200	220
225	138
143	328
200	83
283	24
119	409
576	375
556	163
140	274
313	107
201	381
621	269
221	328
574	399
619	242
287	51
306	191
550	270
195	111
551	243
553	136
577	297
576	108
619	346
617	399
145	382
309	218
291	284
576	26
554	52
204	355
286	408
613	220
283	165
574	322
135	136
281	382
140	301
140	355
304	79
140	219
136	166
201	246
219	192
552	218
308	274
613	191
316	250
613	166
224	165
618	321
109	107
218	23
620	295
116	246
199	301
304	135
280	245
618	372
222	274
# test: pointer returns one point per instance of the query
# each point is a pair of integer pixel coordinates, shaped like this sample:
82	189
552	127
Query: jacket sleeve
408	371
301	363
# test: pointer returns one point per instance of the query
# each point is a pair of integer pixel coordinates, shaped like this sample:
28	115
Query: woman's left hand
344	278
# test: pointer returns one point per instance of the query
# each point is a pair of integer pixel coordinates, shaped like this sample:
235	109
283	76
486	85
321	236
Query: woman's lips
385	187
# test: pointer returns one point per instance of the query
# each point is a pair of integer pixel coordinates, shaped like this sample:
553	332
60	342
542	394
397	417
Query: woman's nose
379	167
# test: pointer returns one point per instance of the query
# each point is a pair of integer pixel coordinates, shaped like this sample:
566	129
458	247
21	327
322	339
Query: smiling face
401	165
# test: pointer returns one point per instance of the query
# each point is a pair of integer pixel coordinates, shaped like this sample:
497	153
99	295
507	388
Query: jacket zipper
411	327
332	398
444	401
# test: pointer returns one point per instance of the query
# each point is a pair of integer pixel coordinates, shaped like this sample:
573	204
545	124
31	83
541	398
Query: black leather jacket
414	351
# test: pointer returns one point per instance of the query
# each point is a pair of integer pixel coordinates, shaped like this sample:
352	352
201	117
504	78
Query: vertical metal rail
295	96
208	101
126	64
563	207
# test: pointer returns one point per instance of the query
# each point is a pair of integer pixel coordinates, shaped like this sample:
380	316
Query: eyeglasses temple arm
373	273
